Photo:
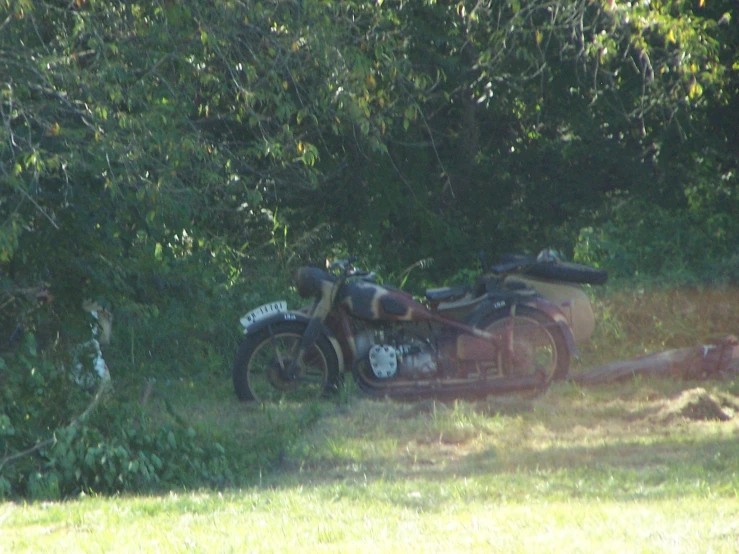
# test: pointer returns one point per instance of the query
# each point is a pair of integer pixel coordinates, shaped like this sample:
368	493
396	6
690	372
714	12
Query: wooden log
654	364
695	362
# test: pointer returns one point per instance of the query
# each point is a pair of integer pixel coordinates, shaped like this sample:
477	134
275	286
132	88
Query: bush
121	452
44	455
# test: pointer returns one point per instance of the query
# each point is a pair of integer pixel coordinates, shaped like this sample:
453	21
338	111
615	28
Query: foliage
111	457
46	456
430	129
122	445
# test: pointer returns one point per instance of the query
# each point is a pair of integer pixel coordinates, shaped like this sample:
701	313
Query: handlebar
347	268
343	264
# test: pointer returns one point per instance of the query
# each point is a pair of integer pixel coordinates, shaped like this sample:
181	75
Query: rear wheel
259	370
538	345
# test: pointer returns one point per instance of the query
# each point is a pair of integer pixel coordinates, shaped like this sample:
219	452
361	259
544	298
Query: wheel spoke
266	370
278	353
529	349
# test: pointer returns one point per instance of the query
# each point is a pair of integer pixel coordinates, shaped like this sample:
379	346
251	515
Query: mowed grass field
640	466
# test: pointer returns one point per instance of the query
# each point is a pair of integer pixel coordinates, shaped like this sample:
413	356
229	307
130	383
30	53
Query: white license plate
263	311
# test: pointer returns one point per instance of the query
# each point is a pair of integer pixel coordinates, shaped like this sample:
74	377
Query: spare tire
568	272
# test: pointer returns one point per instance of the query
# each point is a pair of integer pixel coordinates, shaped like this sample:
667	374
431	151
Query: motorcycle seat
518	287
445	294
511	289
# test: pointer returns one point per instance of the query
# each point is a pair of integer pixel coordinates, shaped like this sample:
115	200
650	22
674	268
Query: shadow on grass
620	451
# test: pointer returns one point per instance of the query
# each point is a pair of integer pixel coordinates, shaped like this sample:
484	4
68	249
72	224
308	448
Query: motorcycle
554	280
509	340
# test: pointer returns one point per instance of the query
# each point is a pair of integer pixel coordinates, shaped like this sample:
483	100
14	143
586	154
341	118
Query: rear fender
555	314
299	317
551	311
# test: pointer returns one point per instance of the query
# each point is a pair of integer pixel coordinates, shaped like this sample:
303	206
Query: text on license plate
263	311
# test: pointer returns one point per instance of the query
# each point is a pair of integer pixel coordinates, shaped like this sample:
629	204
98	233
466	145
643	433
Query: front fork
309	338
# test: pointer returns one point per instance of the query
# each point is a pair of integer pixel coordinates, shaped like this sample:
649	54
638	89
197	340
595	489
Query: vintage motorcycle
509	339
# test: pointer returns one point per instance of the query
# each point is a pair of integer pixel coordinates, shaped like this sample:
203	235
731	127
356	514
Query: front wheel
260	368
537	344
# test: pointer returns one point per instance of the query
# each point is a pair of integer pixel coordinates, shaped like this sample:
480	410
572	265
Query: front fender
279	317
300	317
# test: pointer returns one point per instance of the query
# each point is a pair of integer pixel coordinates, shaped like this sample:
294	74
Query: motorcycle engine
410	359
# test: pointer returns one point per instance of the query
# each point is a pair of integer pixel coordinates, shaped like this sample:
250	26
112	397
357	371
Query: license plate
263	311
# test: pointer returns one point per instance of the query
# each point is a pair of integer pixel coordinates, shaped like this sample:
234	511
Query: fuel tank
375	302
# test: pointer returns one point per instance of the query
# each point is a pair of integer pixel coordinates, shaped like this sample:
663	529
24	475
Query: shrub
48	451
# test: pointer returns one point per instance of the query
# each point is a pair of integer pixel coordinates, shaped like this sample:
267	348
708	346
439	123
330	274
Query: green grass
312	521
617	468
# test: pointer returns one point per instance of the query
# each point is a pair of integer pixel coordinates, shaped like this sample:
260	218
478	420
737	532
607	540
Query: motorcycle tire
539	346
258	369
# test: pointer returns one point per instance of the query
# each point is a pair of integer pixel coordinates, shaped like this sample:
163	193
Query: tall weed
640	240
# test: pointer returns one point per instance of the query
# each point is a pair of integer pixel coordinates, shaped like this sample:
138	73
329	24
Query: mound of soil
699	405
